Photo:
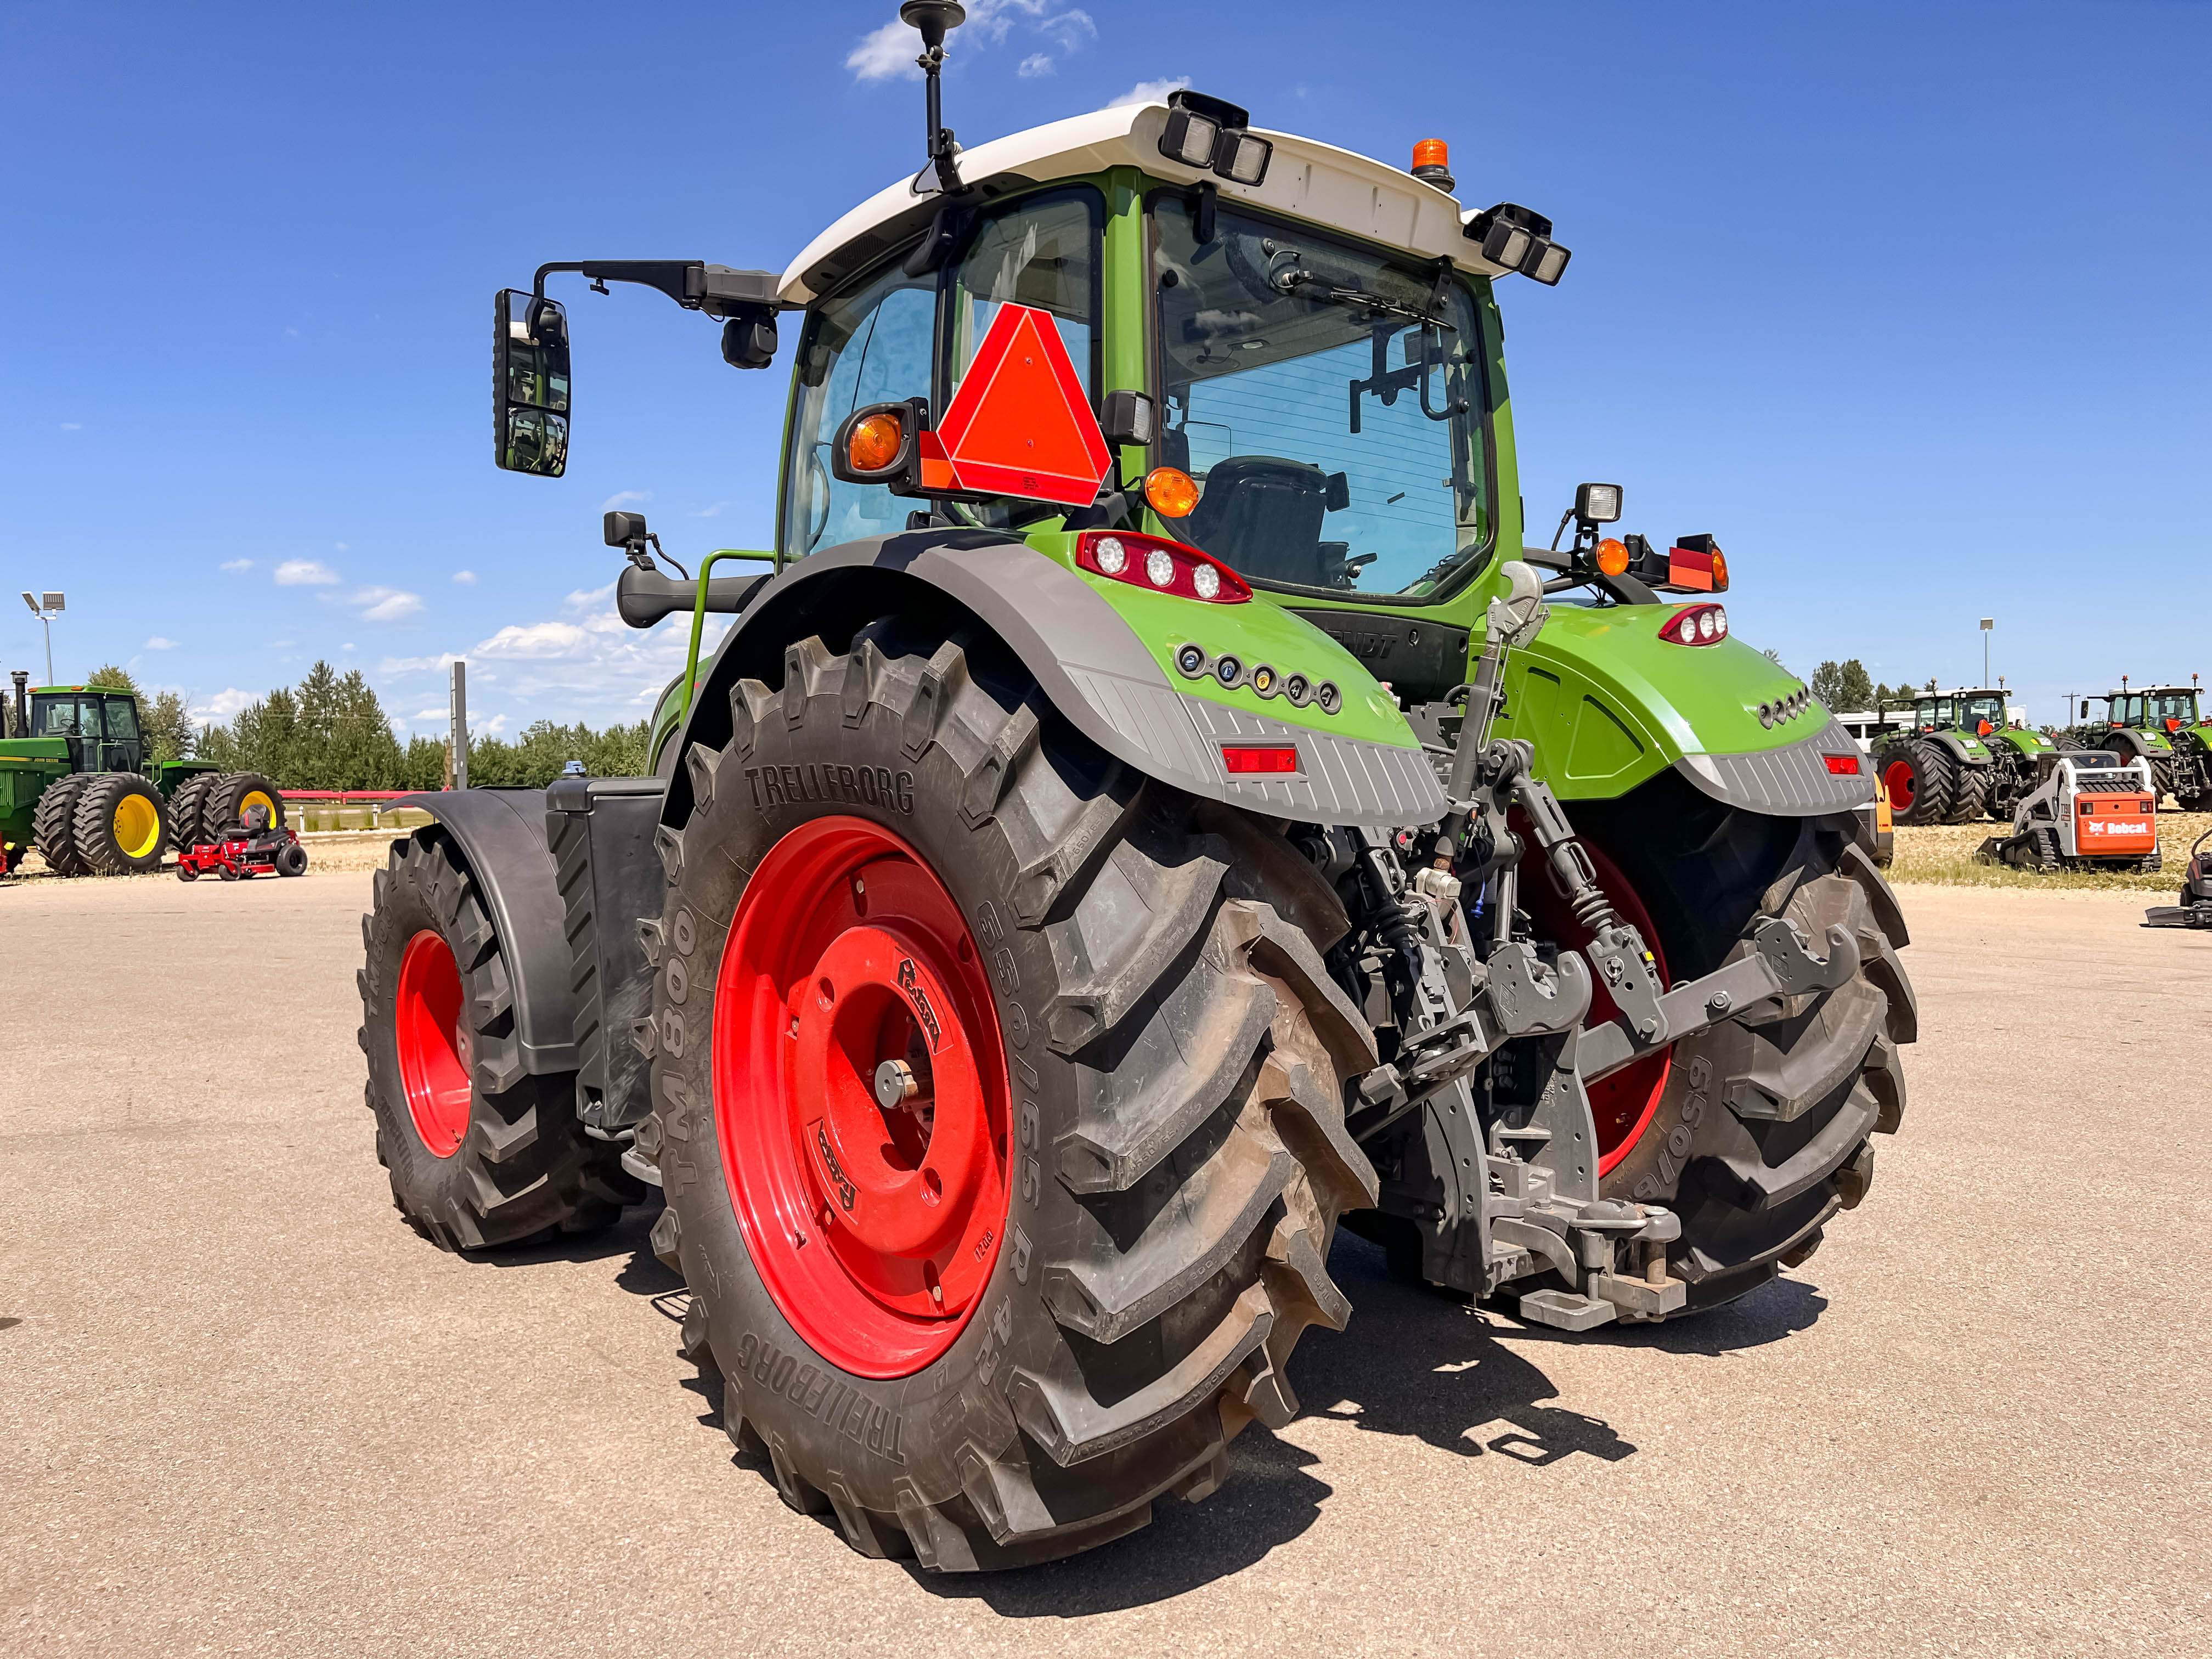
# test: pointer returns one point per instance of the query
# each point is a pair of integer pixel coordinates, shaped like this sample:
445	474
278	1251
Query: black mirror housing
749	340
530	384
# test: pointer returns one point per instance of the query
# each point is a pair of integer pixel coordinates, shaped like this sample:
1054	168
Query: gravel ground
246	1410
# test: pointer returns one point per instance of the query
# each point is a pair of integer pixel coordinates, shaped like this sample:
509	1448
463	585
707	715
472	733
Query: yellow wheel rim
137	825
258	798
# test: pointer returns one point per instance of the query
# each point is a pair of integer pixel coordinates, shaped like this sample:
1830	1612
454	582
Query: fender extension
1790	782
501	834
1088	661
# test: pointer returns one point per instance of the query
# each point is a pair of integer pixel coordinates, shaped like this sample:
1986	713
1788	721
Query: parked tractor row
78	783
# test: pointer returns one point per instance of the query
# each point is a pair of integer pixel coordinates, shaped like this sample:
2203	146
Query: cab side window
872	346
1041	252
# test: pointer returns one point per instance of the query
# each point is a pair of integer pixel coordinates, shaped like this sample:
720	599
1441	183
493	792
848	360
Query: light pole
53	605
1988	623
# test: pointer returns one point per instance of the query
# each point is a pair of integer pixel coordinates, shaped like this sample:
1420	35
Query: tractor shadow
1416	1363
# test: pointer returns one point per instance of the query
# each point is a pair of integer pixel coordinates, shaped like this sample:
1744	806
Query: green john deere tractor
78	783
1155	809
1960	760
2163	725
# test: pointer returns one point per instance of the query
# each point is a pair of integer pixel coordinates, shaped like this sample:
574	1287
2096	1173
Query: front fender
501	836
1608	704
1091	666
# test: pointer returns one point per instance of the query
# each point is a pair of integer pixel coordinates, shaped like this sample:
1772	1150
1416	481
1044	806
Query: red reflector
1843	766
1243	757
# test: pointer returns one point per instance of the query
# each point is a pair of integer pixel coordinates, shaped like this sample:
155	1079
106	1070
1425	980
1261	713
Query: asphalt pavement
245	1410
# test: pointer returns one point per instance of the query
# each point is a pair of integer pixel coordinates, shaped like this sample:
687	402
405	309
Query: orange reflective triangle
1019	425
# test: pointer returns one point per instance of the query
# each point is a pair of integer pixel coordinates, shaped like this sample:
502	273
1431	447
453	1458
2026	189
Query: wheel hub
435	1047
861	1097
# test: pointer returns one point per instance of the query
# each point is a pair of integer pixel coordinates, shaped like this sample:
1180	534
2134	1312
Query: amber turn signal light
875	441
1172	492
1612	557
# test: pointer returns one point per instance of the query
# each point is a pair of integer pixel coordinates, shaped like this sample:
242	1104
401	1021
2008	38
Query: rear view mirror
530	384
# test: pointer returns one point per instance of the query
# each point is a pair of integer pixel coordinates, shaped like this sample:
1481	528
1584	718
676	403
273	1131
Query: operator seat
1261	516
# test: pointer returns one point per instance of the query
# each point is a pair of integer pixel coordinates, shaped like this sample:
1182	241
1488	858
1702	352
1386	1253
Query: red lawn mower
246	848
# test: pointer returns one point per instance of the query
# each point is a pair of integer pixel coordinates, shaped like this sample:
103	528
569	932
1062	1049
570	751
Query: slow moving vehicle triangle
1020	424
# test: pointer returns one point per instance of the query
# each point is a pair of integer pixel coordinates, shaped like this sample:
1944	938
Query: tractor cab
2165	710
1981	711
100	726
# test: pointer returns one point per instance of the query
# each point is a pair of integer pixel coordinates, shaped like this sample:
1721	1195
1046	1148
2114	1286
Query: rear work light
1695	625
1256	757
1842	766
1164	566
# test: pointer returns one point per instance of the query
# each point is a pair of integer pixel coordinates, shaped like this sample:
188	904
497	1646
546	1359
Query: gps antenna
933	19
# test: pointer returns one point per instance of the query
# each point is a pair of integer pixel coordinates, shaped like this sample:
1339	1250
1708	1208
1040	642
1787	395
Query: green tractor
78	783
2163	725
1960	760
1152	809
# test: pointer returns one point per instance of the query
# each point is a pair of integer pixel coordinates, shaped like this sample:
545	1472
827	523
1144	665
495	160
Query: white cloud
72	426
221	705
536	641
714	511
888	53
431	716
385	605
305	573
490	728
1069	30
466	578
348	646
341	546
582	600
237	567
1148	92
622	496
885	53
418	664
157	643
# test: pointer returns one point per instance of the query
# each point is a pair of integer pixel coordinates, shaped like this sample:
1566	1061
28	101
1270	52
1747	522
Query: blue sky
1907	304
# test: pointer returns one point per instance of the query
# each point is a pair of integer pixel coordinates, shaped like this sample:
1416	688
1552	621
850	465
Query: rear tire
120	827
1923	782
1173	1057
480	1152
185	811
53	825
291	860
1761	1133
230	793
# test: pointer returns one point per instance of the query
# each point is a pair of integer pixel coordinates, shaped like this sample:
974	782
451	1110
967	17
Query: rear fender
501	834
1609	705
1089	661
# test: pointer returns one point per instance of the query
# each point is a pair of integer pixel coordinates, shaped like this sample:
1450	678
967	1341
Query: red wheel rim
434	1046
1899	781
875	1228
1621	1104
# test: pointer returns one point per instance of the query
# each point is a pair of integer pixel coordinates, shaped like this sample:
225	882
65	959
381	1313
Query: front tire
480	1152
1146	1219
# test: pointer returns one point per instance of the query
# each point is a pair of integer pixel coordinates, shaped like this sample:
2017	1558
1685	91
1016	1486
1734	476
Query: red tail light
1842	766
1161	565
1252	757
1695	625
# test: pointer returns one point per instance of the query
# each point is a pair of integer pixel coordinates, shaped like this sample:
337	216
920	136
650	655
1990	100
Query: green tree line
1848	686
330	731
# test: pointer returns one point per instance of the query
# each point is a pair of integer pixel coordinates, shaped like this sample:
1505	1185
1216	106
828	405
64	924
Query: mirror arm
699	612
696	286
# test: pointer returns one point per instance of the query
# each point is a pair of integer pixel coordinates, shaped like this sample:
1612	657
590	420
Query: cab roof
1306	178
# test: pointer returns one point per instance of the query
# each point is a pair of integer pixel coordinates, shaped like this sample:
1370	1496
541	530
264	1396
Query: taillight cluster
1695	625
1161	565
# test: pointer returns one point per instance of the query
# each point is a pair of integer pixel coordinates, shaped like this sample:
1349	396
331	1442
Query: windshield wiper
1307	284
